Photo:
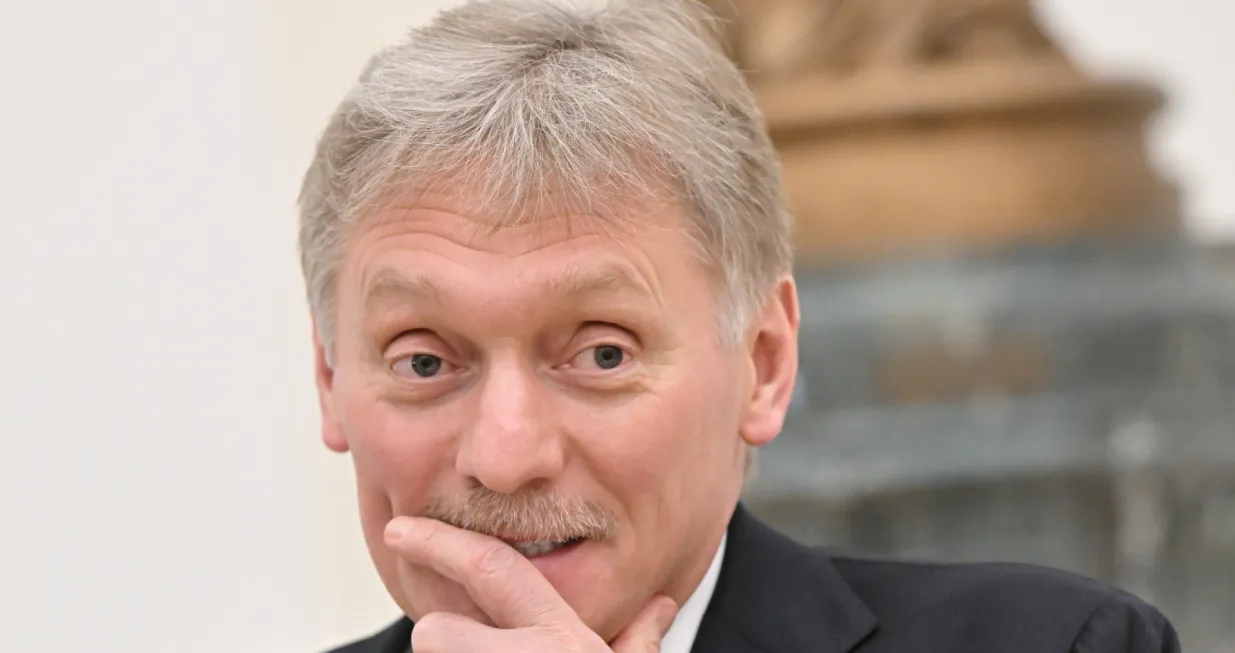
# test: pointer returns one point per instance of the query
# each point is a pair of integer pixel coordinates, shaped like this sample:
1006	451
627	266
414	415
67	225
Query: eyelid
624	345
607	333
417	341
413	342
407	334
396	350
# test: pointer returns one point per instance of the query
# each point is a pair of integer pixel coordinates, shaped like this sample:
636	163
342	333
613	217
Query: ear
773	348
332	430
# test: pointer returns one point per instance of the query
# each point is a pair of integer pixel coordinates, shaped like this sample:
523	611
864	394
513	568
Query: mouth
537	548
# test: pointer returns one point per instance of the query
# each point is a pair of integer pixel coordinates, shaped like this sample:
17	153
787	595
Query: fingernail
396	530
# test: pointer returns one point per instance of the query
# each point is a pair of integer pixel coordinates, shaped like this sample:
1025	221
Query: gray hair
596	106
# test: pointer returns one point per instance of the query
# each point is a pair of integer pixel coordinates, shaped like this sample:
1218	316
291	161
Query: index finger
503	583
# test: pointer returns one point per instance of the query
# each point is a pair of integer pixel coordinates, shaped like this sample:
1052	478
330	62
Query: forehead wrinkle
390	286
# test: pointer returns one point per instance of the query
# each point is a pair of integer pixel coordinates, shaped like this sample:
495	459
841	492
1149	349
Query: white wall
150	493
161	487
315	51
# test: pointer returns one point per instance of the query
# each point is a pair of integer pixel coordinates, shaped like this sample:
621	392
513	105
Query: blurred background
1017	245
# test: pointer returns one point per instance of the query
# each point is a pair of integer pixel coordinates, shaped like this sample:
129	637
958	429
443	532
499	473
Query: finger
503	583
445	632
643	635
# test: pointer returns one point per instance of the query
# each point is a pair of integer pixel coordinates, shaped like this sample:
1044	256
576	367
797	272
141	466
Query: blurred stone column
1140	504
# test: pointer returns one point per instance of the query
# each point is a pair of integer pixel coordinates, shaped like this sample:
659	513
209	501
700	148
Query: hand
530	616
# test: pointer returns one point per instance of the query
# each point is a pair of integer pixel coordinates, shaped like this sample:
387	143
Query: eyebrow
607	280
391	286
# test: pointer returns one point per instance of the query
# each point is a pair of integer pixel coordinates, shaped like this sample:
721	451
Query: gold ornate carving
943	124
786	37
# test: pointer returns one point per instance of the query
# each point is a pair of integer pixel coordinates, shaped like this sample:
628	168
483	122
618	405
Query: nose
510	444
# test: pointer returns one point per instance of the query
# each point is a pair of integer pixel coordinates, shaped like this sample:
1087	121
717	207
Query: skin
520	403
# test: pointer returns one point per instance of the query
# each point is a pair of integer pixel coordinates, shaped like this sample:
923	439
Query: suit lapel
777	596
395	639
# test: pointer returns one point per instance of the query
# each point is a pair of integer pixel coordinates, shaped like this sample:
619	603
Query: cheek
398	452
402	457
666	437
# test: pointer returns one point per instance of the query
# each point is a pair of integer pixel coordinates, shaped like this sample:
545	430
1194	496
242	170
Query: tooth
535	548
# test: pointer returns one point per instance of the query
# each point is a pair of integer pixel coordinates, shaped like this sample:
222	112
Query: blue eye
426	365
423	366
608	357
601	358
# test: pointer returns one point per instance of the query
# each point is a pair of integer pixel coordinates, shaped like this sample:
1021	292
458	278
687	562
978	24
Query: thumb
644	633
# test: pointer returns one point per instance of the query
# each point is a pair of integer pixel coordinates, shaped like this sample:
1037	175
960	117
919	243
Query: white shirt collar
681	635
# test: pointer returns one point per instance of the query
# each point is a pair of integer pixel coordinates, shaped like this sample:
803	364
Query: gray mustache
525	515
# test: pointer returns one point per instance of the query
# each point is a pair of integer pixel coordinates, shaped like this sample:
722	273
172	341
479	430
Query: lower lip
557	564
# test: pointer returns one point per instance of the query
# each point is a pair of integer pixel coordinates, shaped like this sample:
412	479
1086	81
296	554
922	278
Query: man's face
556	383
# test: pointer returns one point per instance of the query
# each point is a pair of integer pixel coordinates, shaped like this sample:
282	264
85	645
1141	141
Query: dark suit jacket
777	596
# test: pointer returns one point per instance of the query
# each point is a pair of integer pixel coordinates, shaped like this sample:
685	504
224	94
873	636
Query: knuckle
563	640
495	559
425	535
575	644
646	646
639	645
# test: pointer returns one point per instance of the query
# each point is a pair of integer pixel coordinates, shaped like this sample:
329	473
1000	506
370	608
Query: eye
603	357
420	366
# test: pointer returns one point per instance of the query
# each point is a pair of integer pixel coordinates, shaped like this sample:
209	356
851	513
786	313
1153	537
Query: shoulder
394	639
987	605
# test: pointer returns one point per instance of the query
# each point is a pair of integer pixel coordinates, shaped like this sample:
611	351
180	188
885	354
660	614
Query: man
549	263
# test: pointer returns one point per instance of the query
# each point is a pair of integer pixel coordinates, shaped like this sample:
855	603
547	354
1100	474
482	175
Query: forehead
383	284
425	249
